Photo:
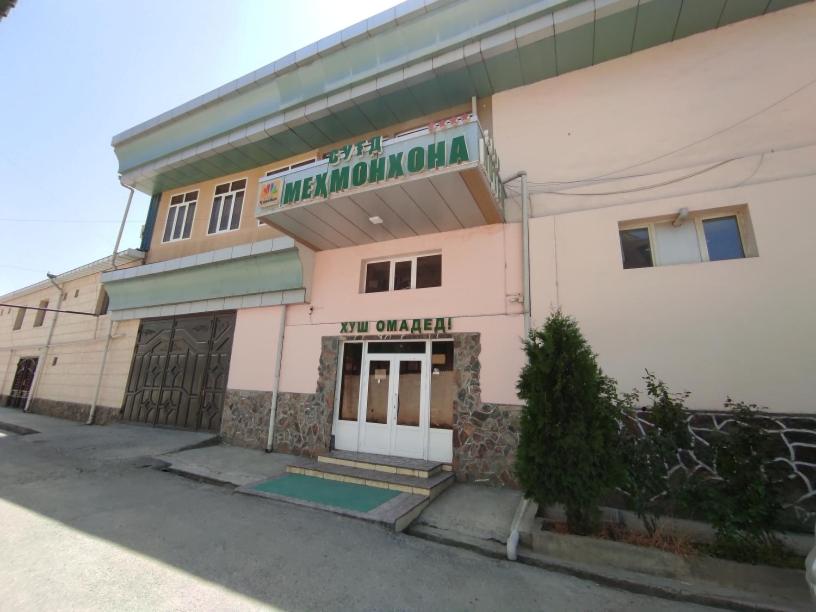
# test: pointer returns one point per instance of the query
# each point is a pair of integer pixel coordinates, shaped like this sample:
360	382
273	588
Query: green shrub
568	451
650	453
742	501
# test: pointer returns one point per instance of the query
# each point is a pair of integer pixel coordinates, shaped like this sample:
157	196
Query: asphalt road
84	525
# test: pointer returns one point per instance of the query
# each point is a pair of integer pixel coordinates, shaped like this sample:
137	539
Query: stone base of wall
245	421
485	443
4	400
73	411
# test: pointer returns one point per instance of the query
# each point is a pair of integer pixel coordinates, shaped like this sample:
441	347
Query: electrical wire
609	175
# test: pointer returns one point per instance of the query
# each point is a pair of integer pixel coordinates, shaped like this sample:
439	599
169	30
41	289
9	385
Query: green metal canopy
412	60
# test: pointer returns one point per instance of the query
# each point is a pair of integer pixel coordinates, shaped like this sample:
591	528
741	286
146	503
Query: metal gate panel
23	379
179	373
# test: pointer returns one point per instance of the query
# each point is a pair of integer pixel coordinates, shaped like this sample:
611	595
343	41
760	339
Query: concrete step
429	487
403	466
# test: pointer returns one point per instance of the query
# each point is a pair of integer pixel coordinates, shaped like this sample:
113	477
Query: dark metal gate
179	371
23	379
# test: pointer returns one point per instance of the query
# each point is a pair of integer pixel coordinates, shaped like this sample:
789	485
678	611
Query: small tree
567	452
650	453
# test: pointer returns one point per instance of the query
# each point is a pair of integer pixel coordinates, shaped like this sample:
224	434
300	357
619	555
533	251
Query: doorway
23	379
396	398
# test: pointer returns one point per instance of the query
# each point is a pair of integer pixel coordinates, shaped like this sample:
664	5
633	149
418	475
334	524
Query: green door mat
327	492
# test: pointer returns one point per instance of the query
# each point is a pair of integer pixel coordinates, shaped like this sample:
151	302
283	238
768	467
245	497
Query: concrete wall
481	277
77	343
719	119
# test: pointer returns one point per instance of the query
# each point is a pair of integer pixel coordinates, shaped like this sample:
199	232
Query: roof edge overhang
100	265
368	76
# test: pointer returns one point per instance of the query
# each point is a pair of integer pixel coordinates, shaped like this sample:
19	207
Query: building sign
398	326
270	192
450	142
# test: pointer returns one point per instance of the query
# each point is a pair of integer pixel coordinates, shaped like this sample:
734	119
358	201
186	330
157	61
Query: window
18	320
418	272
40	316
102	302
226	208
703	236
300	164
180	216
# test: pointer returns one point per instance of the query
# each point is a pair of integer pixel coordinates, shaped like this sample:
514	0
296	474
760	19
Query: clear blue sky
76	73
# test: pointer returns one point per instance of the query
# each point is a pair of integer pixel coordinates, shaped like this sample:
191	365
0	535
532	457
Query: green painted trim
235	277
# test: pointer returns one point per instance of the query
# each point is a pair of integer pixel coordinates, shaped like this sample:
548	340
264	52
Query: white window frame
697	217
298	164
185	204
393	268
232	206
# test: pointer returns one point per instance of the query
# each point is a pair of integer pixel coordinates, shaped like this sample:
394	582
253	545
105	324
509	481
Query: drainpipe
525	246
41	365
276	380
513	539
109	335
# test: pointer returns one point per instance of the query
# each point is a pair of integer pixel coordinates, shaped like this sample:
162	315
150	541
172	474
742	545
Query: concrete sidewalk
117	442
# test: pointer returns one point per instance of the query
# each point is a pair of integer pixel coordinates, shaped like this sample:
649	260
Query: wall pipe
276	380
41	363
109	335
521	510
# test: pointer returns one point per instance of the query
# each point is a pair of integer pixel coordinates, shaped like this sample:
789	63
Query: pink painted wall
252	365
481	272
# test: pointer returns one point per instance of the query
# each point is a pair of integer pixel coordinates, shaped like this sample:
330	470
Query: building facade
55	337
336	259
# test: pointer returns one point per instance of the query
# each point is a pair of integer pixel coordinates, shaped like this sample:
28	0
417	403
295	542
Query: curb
627	581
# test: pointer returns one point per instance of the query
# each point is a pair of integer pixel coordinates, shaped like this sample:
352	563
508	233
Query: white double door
394	399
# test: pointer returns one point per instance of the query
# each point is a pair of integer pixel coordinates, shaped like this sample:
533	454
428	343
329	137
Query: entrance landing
391	491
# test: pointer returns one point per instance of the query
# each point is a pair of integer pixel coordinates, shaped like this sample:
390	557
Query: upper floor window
688	238
180	216
18	320
300	164
40	316
417	272
226	208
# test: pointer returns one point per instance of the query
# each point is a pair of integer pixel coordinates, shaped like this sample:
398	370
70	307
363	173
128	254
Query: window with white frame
712	235
226	207
300	164
180	216
399	273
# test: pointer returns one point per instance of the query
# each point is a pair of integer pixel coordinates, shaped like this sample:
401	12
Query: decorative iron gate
23	379
179	371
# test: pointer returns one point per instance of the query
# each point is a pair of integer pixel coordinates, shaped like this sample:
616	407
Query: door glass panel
443	387
350	383
396	347
402	275
408	398
379	374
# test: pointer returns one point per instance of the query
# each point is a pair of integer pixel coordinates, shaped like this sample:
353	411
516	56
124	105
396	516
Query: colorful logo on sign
271	192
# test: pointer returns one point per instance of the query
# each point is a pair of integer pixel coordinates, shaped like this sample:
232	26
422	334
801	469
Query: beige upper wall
77	343
738	96
249	231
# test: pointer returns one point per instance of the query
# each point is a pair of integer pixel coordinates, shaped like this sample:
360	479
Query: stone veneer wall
485	435
794	443
303	421
74	411
245	420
